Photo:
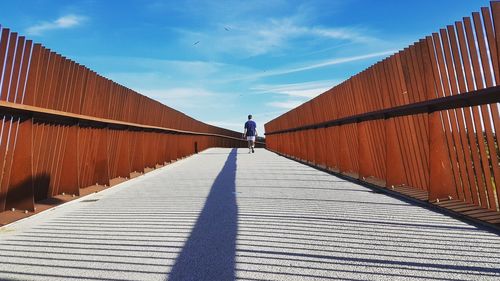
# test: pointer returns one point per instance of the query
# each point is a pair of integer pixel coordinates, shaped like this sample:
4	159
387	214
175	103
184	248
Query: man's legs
249	146
253	145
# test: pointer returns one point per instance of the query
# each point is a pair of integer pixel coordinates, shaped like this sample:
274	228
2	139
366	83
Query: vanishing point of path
225	214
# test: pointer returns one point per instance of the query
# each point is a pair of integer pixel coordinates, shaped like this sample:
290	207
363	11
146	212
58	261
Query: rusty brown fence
423	122
65	128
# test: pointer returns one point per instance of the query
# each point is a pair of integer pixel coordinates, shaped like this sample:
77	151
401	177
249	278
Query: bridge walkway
225	214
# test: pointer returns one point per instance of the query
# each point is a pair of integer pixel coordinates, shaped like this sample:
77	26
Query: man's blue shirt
250	126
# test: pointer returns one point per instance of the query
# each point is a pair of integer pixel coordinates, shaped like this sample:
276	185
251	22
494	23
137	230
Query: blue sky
221	60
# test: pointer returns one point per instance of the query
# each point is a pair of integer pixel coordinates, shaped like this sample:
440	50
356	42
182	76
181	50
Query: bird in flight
227	28
195	43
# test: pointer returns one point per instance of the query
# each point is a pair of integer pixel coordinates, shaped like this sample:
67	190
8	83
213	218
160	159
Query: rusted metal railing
65	128
423	121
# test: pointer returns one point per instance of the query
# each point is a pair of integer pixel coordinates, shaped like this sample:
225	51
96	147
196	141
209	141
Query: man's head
249	116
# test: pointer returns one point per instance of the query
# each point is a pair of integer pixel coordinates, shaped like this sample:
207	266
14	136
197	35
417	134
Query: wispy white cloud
314	65
306	90
182	97
254	38
333	62
177	93
64	22
289	104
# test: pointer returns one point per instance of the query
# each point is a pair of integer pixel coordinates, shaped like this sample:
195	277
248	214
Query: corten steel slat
330	144
20	193
44	99
7	149
370	105
89	155
322	147
492	46
7	75
85	134
7	173
335	147
319	134
375	129
395	83
492	41
56	93
112	153
23	77
90	138
48	130
136	158
59	98
33	74
493	202
425	77
76	108
66	175
394	167
41	78
419	58
412	97
395	146
471	115
123	168
441	178
4	42
379	127
69	88
351	133
470	183
303	147
41	134
69	180
442	87
102	162
456	115
357	107
394	75
3	191
12	92
474	54
36	98
364	158
407	139
378	148
450	88
310	144
82	155
13	122
419	121
89	87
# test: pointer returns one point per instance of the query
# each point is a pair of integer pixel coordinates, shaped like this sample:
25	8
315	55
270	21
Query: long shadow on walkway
209	252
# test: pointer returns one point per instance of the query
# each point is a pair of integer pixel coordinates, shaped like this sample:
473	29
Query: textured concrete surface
229	215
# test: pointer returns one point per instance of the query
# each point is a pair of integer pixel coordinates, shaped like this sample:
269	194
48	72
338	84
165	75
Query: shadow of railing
209	252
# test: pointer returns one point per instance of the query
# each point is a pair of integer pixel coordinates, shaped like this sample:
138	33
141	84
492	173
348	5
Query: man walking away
250	133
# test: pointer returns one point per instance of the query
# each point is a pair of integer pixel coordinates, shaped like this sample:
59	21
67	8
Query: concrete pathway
228	215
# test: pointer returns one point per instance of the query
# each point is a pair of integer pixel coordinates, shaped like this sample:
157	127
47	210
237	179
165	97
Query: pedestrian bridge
391	175
225	214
